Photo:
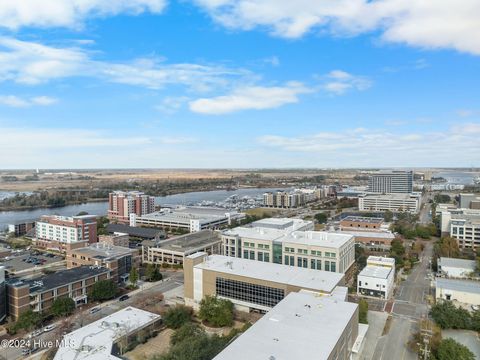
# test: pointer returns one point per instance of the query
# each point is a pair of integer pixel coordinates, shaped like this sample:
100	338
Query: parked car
94	310
123	298
49	327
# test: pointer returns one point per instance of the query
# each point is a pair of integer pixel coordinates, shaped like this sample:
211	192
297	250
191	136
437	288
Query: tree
450	349
448	316
321	218
360	257
62	306
363	311
448	247
81	213
186	331
28	320
152	273
177	316
133	276
388	216
103	290
216	311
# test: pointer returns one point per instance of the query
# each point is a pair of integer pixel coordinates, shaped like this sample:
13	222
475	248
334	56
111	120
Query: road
424	215
410	305
82	318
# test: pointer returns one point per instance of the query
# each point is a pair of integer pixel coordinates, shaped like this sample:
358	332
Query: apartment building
386	182
377	278
118	259
39	294
174	251
290	199
391	202
121	204
62	233
306	249
250	285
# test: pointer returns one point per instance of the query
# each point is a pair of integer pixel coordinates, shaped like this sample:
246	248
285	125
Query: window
287	260
245	254
252	255
266	257
260	256
333	266
327	265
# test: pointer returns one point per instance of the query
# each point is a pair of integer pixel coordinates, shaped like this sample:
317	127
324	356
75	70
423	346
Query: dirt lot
154	346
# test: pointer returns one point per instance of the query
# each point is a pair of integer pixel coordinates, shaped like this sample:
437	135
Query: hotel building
121	204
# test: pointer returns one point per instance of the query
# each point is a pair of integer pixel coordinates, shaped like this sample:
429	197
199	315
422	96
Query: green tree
177	316
27	320
363	311
185	332
133	276
388	216
152	273
448	247
450	349
321	218
216	311
448	316
103	290
62	306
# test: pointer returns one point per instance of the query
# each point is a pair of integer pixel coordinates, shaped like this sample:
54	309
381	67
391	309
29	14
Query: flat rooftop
370	234
381	259
190	241
391	196
60	278
458	263
318	280
94	341
301	326
318	238
258	233
379	272
459	285
187	214
363	219
281	223
103	251
148	233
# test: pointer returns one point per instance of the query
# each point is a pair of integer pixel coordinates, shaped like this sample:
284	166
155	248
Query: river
457	177
100	208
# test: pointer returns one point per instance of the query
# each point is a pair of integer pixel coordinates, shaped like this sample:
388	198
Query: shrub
216	311
177	316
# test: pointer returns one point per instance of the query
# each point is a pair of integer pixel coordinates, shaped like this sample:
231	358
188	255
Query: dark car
123	298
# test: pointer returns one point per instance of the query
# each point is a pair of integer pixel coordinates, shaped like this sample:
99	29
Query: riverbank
67	203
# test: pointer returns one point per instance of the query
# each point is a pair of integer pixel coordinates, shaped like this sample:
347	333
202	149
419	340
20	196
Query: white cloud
338	82
250	97
431	24
378	147
15	101
171	104
175	140
68	13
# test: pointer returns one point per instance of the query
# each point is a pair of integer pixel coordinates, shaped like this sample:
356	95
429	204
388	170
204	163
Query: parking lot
27	260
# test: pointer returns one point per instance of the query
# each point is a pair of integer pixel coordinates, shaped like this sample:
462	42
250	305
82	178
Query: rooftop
459	285
318	238
103	251
323	281
94	341
391	196
458	263
364	219
186	214
258	233
60	278
281	223
136	231
301	326
370	234
191	241
381	259
379	272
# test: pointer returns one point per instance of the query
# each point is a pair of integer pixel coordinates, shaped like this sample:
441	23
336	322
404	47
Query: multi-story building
307	249
290	199
361	223
285	224
21	228
39	294
191	218
373	240
469	201
118	259
121	204
449	212
3	295
391	202
387	182
137	232
173	251
302	326
115	239
63	233
377	278
250	285
466	229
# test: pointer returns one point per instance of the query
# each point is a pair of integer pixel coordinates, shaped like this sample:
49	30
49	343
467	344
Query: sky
239	83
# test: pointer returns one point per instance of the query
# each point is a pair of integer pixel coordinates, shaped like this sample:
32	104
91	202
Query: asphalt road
410	305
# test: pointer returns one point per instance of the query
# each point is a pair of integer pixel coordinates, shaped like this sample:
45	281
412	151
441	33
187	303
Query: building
39	294
118	259
308	249
108	337
190	218
469	201
173	251
361	223
286	224
387	182
456	268
3	295
377	279
121	204
466	229
61	233
137	232
373	240
462	291
21	228
115	239
391	202
291	199
250	285
302	326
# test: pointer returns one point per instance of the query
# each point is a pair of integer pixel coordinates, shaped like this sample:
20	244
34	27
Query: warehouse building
462	291
456	268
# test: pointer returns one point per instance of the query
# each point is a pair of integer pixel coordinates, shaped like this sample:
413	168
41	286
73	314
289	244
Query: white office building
387	182
392	202
377	279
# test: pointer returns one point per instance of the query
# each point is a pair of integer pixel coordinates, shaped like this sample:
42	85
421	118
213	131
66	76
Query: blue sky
239	84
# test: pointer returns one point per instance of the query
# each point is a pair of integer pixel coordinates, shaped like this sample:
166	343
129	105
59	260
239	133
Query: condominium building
118	259
307	249
62	233
291	199
191	218
250	285
301	326
173	251
121	204
377	278
391	202
387	182
39	294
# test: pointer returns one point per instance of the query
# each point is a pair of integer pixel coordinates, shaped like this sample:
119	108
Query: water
7	194
457	177
100	208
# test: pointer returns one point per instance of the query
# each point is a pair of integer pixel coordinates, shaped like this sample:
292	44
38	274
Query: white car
49	327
